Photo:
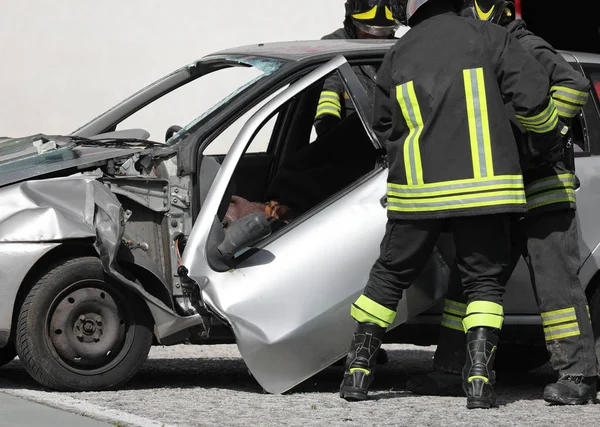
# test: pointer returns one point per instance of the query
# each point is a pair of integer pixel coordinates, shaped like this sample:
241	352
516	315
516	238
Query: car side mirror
243	233
172	131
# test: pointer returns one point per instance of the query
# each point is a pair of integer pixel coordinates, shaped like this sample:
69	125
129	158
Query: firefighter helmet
375	17
500	12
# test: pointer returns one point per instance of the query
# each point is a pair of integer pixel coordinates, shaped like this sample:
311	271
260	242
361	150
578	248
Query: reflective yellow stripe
455	307
485	307
479	128
545	127
481	319
330	97
330	101
439	201
452	322
484	202
407	99
388	14
328	109
375	309
561	331
478	377
540	118
366	15
447	188
560	181
483	313
362	316
566	110
558	316
366	371
587	307
570	95
566	195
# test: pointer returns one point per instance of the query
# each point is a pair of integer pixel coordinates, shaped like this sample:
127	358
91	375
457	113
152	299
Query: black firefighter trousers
549	244
483	254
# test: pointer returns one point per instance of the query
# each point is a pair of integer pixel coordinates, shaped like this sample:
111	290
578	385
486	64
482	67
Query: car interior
298	172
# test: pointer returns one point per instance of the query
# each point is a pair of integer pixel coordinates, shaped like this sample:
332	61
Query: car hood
39	155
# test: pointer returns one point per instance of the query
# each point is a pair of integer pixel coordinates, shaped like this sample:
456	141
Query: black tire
79	331
7	354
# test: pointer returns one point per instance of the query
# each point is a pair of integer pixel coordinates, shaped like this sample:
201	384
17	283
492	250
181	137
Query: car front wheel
78	331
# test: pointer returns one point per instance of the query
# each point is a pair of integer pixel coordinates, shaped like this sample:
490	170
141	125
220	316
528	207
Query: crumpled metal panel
75	207
52	209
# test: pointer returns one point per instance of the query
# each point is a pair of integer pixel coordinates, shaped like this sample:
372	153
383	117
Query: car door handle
384	202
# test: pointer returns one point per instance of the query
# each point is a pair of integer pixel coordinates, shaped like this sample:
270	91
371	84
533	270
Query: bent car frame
111	241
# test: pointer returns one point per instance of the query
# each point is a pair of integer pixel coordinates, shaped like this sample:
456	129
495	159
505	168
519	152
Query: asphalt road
210	386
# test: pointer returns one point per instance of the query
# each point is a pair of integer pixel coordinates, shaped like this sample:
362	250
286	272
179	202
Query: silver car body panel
290	314
50	211
16	260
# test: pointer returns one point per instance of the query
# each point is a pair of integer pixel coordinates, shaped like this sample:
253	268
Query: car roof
310	49
590	58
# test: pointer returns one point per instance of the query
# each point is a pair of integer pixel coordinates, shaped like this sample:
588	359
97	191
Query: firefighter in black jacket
453	162
547	238
365	19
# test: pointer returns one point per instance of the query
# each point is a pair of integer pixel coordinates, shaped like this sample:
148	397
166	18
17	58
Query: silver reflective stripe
565	331
478	122
480	199
452	322
414	126
547	127
475	186
454	307
577	98
559	316
558	181
543	199
566	110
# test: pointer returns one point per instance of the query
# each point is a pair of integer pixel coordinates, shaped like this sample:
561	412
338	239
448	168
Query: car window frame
591	112
198	243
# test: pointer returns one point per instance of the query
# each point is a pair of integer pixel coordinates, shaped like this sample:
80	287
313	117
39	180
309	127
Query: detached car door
288	299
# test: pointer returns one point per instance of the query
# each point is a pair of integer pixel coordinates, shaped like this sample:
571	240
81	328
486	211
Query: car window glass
222	143
186	103
311	175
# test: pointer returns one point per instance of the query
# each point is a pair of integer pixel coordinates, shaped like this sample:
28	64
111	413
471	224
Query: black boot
478	374
571	390
360	362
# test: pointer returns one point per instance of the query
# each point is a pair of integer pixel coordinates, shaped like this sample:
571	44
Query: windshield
188	97
256	69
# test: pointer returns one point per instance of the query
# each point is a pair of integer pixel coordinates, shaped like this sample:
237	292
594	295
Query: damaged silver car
243	226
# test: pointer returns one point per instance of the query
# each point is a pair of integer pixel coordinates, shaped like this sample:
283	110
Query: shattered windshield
236	74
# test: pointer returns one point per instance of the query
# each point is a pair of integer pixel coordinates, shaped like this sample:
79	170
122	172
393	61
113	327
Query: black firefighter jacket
439	109
334	102
551	187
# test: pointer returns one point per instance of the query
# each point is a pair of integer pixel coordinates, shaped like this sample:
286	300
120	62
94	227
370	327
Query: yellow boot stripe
363	317
486	307
478	377
375	309
483	319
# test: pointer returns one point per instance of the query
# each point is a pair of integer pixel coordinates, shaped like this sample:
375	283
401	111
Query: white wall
62	62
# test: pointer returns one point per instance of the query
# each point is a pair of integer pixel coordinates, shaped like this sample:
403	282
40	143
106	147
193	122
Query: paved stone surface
210	386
